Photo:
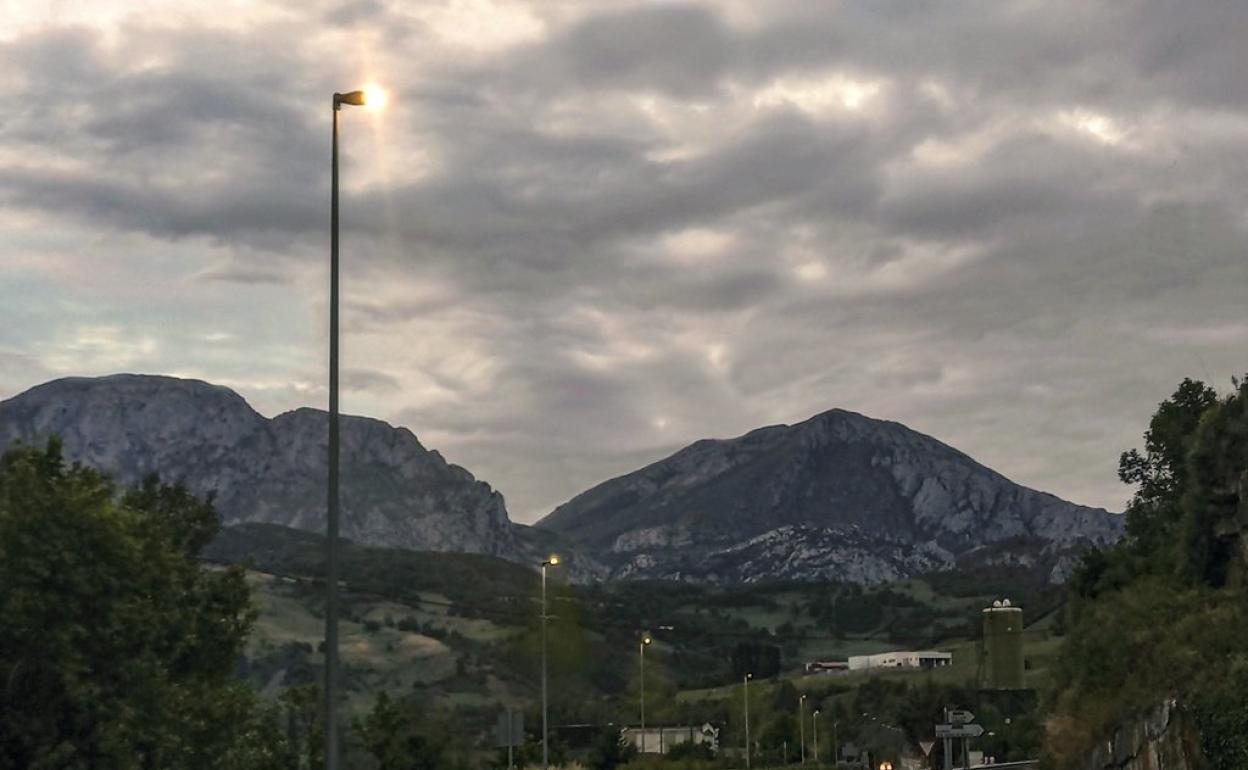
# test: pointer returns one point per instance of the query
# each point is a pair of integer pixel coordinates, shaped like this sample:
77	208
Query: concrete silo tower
1002	667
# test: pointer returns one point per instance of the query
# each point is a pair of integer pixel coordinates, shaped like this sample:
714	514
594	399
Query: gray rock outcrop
395	492
839	496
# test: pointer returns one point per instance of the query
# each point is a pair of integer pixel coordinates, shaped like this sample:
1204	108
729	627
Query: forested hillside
1163	614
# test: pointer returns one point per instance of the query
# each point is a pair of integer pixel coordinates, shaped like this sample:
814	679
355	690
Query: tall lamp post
836	746
371	97
815	724
551	562
641	647
748	677
801	723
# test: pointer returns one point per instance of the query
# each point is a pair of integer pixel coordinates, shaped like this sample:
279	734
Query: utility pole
815	724
948	745
747	720
551	562
801	721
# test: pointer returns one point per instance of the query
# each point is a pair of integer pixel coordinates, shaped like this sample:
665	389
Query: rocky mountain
839	496
395	492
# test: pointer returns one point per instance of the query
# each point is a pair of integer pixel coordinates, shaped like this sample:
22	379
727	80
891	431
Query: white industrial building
661	739
901	659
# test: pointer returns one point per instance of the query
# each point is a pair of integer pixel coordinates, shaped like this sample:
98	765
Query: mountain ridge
395	491
776	495
839	496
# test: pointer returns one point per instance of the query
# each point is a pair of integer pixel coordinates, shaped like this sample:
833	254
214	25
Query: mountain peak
913	503
395	492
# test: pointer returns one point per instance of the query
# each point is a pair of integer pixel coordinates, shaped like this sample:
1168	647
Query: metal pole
801	722
747	720
545	751
331	602
836	749
948	745
642	646
815	724
511	733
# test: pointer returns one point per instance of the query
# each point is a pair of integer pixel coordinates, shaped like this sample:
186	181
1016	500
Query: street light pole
747	719
552	561
801	723
815	724
836	748
645	640
357	98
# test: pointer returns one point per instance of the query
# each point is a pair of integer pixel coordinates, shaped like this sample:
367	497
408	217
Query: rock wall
1161	739
840	496
394	492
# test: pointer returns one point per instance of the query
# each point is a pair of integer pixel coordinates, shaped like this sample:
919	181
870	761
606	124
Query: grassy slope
399	635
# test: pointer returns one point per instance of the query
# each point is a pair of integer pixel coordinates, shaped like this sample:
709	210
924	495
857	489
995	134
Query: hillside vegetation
1163	614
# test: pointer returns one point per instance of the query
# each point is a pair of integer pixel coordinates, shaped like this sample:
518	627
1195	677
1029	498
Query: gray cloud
1015	227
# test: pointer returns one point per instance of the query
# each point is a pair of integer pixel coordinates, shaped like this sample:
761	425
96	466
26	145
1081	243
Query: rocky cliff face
395	492
1162	739
840	496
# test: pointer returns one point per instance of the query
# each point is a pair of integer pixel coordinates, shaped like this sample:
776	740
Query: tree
400	739
1167	600
117	649
761	660
609	750
1214	498
1150	545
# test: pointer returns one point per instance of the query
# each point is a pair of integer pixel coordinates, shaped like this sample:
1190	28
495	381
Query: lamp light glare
375	97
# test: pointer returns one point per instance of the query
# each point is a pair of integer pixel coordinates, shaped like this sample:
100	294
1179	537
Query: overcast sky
582	235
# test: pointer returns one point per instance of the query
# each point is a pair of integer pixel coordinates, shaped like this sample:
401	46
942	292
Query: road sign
510	728
959	731
960	717
927	747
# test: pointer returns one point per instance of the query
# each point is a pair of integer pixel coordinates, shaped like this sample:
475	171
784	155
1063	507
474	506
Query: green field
459	634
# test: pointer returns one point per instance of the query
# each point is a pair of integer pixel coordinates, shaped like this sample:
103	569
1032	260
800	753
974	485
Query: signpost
960	717
959	731
948	732
510	732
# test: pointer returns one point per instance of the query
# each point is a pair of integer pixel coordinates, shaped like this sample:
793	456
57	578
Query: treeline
118	650
1163	615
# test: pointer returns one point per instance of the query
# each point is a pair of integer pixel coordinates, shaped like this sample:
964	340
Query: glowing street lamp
356	99
551	562
801	721
641	647
815	724
748	677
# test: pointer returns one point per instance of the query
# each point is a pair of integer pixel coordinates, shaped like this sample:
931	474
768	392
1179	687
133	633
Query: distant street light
815	724
645	642
551	562
748	677
801	721
358	99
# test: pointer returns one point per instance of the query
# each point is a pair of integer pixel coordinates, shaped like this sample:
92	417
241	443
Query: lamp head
552	561
646	639
354	98
372	97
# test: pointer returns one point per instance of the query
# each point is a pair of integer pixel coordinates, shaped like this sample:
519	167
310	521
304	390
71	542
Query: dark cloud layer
586	235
